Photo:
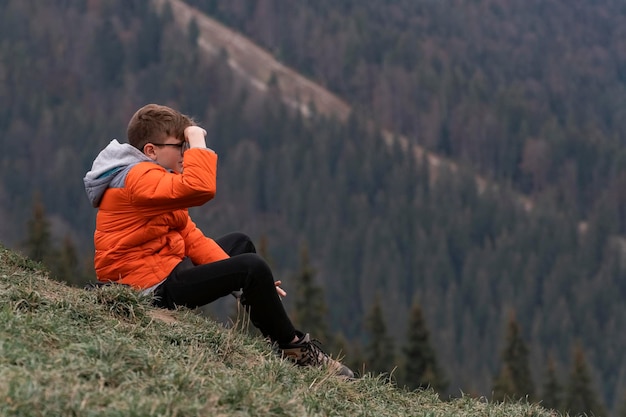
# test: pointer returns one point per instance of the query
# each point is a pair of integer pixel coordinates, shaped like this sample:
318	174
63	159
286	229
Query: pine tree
109	55
264	252
514	380
580	397
311	311
193	32
622	408
86	269
65	265
552	390
149	40
421	369
38	242
504	385
379	351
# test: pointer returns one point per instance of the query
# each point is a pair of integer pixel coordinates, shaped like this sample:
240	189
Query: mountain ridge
258	66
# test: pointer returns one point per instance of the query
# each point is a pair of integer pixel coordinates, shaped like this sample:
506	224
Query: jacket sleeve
199	248
154	189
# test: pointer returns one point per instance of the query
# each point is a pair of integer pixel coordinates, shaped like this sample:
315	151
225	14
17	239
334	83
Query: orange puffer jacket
143	229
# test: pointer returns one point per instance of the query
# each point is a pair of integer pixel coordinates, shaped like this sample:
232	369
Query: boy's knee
245	242
236	243
259	264
239	236
258	269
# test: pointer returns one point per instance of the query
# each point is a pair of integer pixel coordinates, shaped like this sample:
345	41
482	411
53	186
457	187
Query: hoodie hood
109	169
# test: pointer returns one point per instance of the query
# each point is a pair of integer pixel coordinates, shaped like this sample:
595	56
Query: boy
145	238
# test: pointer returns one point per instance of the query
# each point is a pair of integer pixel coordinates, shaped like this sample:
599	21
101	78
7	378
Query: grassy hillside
66	351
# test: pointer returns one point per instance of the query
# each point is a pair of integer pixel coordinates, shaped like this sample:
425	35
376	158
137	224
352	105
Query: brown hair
153	123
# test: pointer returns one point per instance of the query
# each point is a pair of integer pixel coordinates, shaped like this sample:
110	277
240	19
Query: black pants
196	285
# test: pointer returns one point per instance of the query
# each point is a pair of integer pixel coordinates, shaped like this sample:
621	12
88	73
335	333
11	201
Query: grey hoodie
110	168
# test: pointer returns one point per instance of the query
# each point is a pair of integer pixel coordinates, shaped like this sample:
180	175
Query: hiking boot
307	352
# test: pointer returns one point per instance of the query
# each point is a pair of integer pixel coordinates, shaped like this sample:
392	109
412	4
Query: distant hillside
527	93
67	351
261	71
257	66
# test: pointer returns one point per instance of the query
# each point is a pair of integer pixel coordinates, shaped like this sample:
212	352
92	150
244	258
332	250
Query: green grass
69	352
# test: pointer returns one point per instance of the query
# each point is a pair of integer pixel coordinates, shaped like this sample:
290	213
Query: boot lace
313	354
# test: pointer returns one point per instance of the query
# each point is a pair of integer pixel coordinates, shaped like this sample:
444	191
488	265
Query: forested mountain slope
375	221
531	93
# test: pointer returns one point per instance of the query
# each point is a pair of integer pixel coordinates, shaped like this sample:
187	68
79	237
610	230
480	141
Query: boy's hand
195	136
279	290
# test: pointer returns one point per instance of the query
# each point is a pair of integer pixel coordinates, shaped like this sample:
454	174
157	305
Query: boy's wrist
197	143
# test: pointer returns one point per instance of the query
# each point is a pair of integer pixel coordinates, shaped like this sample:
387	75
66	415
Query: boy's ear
149	151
